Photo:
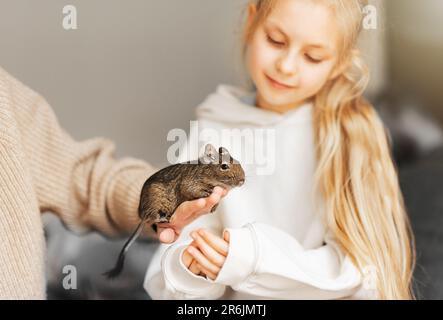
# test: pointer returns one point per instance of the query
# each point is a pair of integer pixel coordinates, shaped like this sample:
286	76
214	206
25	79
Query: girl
329	222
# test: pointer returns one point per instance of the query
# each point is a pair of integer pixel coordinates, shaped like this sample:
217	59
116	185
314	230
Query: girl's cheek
251	63
315	77
260	57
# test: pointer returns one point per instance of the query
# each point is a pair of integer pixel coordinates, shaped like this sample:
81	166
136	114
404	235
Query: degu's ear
210	155
224	155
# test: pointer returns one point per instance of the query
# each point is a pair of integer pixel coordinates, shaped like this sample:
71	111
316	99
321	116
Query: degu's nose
241	182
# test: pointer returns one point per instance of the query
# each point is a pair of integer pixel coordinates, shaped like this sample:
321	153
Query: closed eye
312	59
274	42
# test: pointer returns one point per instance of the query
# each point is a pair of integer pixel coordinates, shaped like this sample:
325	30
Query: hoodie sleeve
168	278
265	261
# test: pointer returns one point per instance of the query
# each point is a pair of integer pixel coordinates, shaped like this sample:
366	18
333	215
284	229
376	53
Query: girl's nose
287	64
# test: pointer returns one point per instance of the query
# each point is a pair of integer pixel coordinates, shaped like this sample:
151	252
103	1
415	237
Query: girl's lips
277	84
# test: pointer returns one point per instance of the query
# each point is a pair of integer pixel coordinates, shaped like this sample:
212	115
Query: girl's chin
276	100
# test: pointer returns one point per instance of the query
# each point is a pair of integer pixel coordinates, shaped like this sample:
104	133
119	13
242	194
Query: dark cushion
422	185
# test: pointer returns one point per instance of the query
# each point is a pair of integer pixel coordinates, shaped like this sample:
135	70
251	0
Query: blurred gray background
133	70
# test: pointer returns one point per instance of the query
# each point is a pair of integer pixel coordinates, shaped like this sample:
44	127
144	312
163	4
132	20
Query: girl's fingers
208	273
187	259
194	244
202	260
226	236
220	245
194	268
207	250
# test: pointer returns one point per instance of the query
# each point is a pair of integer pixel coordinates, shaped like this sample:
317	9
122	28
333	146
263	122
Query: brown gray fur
165	190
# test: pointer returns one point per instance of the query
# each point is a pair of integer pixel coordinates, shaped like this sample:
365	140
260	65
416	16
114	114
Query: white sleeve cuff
241	259
179	279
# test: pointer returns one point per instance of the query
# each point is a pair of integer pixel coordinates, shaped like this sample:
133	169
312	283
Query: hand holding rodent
207	254
166	190
186	213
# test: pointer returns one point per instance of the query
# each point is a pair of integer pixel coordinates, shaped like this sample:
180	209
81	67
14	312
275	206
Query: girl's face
292	54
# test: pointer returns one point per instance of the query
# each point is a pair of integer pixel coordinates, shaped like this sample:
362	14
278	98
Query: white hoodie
279	247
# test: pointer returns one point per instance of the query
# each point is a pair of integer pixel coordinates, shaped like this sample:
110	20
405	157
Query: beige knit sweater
43	169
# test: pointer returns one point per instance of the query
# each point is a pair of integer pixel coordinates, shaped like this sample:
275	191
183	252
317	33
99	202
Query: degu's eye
224	166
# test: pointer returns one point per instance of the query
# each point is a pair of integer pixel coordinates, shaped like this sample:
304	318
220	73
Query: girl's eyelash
272	41
280	44
316	61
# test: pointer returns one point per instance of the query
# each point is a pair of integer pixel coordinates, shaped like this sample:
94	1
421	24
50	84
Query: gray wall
134	69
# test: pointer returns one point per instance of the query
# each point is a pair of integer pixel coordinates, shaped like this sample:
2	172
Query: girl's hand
190	262
208	252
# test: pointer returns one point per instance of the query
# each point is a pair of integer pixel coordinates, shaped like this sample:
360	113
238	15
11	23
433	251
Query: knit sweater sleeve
81	182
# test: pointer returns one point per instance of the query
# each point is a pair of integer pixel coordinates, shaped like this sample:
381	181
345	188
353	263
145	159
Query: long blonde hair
356	175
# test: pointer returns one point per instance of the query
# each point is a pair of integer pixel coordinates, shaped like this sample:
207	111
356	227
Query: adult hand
186	213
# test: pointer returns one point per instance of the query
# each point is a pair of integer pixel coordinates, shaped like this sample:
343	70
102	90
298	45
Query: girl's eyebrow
275	26
313	45
320	46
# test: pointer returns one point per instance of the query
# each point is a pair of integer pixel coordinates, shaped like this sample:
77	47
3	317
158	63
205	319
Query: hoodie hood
236	106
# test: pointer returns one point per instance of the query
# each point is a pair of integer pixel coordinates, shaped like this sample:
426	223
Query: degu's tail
121	258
